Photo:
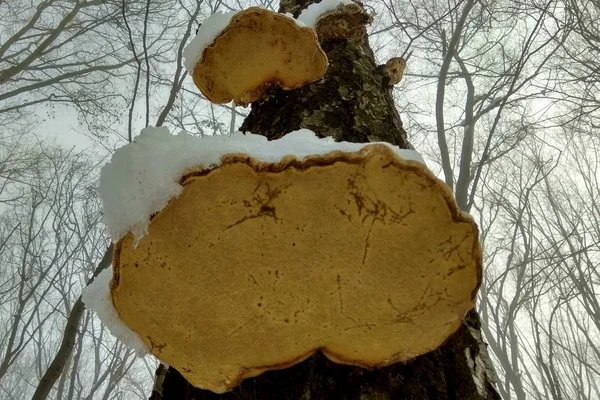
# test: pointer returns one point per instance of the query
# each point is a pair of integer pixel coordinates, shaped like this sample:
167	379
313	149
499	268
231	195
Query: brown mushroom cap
255	266
258	48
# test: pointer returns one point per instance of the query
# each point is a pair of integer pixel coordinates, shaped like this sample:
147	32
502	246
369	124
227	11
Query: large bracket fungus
255	266
258	48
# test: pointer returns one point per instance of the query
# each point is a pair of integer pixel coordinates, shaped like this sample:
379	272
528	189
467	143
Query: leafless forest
502	97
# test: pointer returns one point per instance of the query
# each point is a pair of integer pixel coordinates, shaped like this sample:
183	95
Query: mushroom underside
258	48
256	266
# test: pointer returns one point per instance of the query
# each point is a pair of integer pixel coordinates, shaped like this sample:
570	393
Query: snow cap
208	31
256	49
257	265
311	14
143	176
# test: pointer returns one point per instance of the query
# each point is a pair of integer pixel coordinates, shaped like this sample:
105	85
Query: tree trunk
68	341
351	103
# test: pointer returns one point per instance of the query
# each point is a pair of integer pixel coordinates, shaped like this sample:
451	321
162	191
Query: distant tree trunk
67	344
352	103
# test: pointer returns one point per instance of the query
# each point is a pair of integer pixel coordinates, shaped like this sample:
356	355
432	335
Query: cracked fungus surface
259	48
255	266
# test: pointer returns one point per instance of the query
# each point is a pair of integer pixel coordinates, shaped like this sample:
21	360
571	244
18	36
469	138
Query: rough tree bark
352	103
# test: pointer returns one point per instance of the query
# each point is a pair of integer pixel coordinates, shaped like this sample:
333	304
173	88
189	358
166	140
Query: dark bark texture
352	103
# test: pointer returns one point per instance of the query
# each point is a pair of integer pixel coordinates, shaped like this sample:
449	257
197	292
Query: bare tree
59	51
500	95
42	247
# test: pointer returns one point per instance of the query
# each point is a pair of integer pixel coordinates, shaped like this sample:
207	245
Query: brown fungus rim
291	162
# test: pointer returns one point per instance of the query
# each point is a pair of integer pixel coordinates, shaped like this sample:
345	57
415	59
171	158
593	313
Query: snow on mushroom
311	14
274	250
98	298
337	19
255	49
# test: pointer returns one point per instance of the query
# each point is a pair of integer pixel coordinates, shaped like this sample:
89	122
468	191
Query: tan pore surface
258	48
394	69
255	266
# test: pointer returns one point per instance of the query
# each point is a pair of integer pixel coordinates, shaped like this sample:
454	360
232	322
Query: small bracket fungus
257	49
256	265
394	70
347	21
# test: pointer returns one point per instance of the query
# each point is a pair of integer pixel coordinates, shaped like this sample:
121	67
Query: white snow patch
97	297
291	16
209	30
311	14
144	175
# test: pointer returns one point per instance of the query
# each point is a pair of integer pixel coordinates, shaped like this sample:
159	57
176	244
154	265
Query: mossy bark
352	103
